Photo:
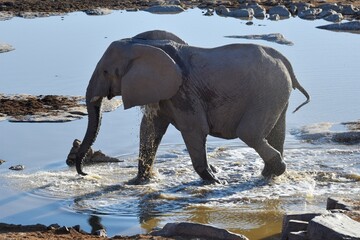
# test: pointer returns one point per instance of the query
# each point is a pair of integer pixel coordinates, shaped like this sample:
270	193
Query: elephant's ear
152	76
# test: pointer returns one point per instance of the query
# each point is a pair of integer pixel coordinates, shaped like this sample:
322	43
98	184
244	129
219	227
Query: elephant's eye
105	72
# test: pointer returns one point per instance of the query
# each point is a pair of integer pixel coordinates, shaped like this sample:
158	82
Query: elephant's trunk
94	121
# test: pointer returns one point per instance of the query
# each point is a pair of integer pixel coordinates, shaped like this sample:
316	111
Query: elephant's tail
296	85
303	91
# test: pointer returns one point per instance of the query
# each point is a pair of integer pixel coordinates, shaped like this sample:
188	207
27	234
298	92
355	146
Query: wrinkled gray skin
234	91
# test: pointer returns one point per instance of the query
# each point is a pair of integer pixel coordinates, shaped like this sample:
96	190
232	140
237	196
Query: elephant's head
140	73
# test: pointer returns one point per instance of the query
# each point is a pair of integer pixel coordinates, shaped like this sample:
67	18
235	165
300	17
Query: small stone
17	167
100	233
274	17
62	230
209	12
311	13
53	226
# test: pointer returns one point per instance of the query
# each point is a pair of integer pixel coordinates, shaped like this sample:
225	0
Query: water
57	55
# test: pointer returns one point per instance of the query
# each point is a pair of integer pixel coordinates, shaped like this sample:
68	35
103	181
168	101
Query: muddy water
56	55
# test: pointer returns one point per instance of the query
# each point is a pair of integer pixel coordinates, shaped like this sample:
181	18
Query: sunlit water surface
57	55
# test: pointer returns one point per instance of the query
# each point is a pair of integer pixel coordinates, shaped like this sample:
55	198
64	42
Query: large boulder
334	226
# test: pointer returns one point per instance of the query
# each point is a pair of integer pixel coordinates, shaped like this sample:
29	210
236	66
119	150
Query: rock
336	17
165	9
2	161
343	204
77	228
273	37
258	11
209	12
330	6
274	17
53	226
5	16
237	13
62	230
311	13
322	133
353	26
281	10
349	9
4	47
100	233
32	15
300	235
303	6
290	219
334	226
17	167
196	230
325	13
91	157
98	11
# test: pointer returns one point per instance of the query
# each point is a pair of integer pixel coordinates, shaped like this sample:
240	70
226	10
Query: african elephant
233	91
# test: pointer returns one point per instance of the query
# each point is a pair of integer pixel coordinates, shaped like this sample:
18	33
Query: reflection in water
95	223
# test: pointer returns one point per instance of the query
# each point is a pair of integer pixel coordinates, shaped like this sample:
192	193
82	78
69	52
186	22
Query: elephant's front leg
196	146
152	130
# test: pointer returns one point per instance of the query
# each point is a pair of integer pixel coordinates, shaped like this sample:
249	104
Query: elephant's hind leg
152	129
276	138
253	130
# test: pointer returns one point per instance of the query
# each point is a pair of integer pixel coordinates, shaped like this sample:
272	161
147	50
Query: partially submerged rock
243	13
272	37
91	157
165	9
47	108
98	11
353	26
342	133
17	167
195	230
4	47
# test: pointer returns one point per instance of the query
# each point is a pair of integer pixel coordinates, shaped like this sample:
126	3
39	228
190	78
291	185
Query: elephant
232	91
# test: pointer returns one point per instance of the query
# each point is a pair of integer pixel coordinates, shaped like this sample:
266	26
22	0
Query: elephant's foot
208	176
275	166
140	180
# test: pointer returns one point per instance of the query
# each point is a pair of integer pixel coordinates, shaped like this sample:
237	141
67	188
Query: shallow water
57	55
